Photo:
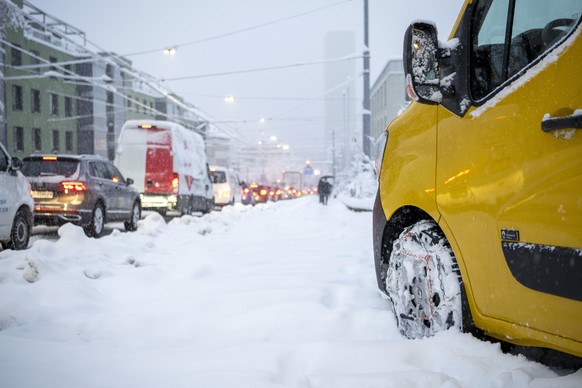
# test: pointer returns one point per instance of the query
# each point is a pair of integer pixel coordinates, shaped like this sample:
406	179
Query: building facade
387	96
340	96
57	95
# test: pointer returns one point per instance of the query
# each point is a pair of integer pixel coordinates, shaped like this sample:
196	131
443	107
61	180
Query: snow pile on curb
360	185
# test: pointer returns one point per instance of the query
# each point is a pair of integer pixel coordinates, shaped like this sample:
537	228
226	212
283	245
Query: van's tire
21	230
187	209
97	225
423	282
131	225
209	206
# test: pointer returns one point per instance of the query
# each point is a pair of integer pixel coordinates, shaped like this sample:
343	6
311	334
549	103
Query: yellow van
478	217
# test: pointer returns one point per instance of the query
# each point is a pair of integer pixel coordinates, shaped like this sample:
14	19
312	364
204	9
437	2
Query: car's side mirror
421	65
16	163
129	181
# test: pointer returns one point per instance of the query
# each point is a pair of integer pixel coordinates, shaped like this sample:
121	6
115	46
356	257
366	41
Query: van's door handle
554	123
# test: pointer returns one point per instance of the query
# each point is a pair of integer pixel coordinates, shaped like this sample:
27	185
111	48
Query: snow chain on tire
423	282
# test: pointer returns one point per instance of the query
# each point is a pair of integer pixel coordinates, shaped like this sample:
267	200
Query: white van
226	185
16	203
168	165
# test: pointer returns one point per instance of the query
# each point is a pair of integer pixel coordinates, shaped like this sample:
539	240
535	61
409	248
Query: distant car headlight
379	148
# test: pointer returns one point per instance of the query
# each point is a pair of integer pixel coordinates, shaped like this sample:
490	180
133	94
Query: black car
86	190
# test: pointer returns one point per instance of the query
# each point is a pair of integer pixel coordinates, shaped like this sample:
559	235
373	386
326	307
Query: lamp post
366	103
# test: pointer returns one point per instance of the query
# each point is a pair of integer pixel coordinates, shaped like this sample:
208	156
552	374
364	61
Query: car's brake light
245	190
175	182
75	187
49	158
263	192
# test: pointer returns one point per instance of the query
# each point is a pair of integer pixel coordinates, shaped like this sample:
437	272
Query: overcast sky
291	95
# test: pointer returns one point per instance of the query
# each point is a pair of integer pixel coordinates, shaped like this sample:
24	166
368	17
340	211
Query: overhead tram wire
259	69
117	61
330	90
226	34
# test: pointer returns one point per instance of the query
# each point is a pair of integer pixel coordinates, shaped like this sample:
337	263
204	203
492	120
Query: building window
35	100
129	107
54	104
16	97
109	106
69	141
34	61
109	71
68	71
36	140
18	139
56	140
53	60
68	107
16	54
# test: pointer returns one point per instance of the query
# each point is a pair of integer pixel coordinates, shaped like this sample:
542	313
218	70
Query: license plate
42	194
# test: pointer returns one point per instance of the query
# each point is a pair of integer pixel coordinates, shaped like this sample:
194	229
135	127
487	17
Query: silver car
86	190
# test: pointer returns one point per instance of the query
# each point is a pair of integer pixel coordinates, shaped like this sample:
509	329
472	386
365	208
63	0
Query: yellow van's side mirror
421	65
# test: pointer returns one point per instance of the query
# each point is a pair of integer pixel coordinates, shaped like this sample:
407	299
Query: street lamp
170	50
229	99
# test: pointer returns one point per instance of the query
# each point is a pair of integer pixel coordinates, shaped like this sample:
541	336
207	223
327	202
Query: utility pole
366	103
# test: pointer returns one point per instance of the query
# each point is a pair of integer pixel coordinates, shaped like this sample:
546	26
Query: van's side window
508	35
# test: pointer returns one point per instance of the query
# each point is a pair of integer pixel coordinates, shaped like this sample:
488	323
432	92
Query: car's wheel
423	281
131	225
20	232
97	225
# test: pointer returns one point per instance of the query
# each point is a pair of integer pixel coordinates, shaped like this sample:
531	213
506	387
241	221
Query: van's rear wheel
97	225
20	232
423	282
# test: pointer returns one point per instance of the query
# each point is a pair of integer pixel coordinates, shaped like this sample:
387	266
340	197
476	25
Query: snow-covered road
279	295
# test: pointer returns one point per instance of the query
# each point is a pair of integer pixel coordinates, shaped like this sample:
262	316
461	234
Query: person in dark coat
324	188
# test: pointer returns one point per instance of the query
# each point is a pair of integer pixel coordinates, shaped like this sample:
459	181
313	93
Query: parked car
226	185
16	203
478	217
86	190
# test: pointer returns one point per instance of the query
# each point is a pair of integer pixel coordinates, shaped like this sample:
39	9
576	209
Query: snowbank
277	295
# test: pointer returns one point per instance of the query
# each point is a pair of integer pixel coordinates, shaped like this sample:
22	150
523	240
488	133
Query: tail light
175	183
263	192
73	187
245	190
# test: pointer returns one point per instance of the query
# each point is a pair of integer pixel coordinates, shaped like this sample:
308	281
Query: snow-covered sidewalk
279	295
